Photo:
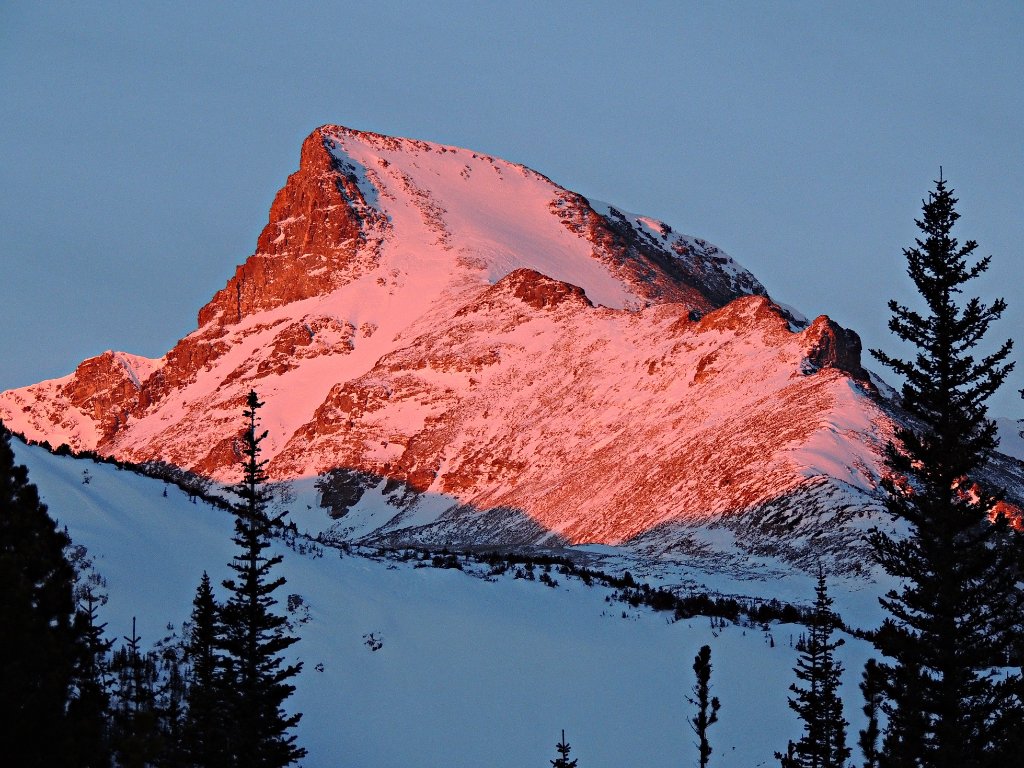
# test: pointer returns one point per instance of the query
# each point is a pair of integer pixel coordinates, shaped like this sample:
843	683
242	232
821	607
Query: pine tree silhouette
39	638
817	701
563	750
871	687
960	567
204	734
707	706
256	678
136	738
89	710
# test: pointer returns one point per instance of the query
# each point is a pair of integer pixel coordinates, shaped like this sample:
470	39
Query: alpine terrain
454	350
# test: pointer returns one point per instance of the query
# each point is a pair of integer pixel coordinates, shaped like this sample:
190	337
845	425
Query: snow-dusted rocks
464	352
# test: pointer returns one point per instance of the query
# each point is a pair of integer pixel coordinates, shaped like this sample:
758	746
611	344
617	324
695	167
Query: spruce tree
563	750
89	709
817	701
789	759
169	660
871	687
39	639
959	569
136	737
204	729
254	636
707	706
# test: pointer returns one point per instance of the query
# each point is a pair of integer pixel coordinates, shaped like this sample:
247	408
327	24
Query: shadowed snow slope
471	672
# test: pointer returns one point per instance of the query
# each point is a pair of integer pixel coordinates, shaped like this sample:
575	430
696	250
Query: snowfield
471	672
455	350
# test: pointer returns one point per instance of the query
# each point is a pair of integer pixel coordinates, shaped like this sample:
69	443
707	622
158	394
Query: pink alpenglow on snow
453	348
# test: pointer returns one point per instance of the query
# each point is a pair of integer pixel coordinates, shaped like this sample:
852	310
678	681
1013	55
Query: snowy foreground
471	672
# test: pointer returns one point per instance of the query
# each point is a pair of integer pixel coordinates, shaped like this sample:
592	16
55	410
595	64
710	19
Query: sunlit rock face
462	351
322	234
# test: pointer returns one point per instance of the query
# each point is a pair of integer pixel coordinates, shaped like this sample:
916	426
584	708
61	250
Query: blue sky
143	144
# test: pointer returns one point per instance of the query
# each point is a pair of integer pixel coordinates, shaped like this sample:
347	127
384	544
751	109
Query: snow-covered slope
452	348
471	672
371	242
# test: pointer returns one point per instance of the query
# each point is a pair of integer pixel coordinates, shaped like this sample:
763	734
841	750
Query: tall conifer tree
254	634
871	687
817	700
89	711
204	731
38	634
707	705
959	571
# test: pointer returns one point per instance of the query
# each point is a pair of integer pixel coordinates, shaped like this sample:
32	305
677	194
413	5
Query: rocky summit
454	349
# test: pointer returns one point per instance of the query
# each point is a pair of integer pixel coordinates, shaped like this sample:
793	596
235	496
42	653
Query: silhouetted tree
707	706
204	732
39	638
563	749
872	687
170	660
89	710
789	759
959	569
817	701
136	734
254	636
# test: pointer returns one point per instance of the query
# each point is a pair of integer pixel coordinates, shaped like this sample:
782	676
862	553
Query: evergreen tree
89	709
39	638
707	707
789	759
204	728
817	701
256	679
563	750
959	568
871	687
169	659
136	734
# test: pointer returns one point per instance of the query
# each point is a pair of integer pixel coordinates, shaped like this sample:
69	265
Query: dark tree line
52	704
627	588
213	699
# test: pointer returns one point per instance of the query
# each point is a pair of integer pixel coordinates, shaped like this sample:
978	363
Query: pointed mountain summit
458	350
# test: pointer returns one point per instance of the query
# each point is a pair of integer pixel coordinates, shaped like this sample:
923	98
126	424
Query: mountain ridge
457	335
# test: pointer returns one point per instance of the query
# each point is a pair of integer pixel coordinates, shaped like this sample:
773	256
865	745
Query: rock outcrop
322	234
460	350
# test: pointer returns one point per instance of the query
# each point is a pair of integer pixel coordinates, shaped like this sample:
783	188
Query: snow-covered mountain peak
453	348
439	218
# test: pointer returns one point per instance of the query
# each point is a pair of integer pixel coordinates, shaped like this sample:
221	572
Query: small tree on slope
959	570
204	731
817	701
135	719
256	678
707	707
89	711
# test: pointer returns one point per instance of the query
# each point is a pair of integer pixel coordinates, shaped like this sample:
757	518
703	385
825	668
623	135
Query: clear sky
142	143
